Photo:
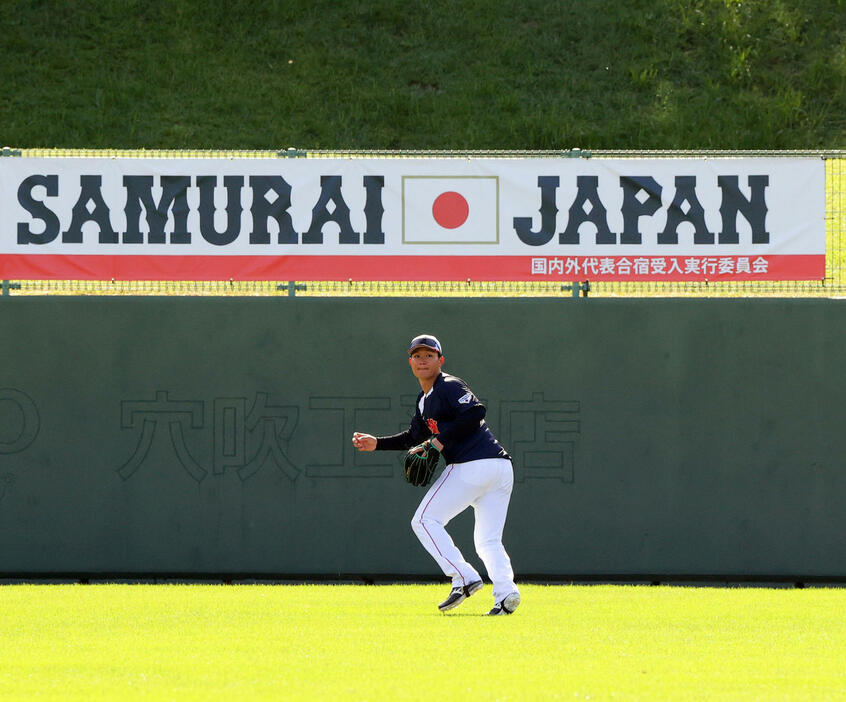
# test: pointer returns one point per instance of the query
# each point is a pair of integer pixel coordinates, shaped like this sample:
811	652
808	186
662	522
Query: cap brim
422	346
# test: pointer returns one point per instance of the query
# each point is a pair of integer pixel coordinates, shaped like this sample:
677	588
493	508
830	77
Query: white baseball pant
486	486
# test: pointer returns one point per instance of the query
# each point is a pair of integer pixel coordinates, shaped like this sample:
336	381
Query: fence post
576	287
7	286
290	152
292	286
8	151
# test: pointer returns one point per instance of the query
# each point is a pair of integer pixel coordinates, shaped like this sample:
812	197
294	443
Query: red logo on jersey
433	426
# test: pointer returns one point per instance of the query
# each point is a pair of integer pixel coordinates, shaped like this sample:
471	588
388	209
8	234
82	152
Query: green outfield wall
665	438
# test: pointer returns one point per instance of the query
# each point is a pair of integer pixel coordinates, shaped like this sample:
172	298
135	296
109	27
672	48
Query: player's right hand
364	442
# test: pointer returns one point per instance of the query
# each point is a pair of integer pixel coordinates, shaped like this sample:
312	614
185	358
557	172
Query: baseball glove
420	464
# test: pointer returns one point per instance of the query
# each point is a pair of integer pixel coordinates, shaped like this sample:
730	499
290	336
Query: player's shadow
460	614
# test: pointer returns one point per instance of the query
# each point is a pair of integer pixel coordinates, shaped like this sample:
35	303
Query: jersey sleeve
466	409
460	397
466	423
417	431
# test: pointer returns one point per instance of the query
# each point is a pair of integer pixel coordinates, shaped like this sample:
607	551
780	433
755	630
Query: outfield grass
485	74
205	642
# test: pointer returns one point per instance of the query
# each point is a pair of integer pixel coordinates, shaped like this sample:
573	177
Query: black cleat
459	594
507	606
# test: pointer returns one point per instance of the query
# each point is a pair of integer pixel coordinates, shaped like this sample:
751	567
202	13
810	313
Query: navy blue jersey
454	414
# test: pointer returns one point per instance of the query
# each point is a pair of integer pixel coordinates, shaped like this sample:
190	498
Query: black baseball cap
427	340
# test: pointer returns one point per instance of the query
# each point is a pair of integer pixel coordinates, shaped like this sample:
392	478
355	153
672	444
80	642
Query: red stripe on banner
414	268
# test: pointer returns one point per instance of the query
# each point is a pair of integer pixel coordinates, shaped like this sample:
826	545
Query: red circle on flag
450	210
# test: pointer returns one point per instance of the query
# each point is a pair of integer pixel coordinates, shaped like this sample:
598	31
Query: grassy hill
481	74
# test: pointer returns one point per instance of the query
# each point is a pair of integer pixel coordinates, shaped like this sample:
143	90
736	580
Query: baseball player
478	474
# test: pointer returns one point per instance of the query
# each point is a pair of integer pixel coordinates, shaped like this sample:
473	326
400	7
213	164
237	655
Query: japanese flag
450	210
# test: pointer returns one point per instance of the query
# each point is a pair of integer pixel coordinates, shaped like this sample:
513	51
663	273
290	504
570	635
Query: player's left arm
465	424
468	411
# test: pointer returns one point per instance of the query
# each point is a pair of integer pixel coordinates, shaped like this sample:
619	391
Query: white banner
413	219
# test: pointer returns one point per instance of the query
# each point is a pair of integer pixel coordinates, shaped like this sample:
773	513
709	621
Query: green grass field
207	642
484	74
